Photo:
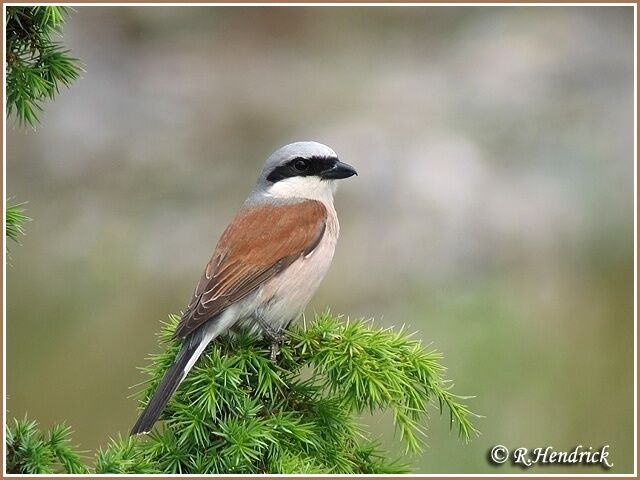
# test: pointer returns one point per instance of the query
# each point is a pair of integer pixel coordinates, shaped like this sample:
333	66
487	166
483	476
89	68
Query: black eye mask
302	167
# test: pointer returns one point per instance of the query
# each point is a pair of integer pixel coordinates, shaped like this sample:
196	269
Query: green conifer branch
14	223
238	412
123	455
15	220
36	65
264	417
32	452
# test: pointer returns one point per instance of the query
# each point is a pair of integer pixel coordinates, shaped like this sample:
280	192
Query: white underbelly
285	296
282	299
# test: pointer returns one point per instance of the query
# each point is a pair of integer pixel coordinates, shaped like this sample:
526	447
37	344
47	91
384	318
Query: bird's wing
260	242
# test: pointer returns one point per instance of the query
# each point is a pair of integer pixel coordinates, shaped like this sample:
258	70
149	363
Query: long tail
192	347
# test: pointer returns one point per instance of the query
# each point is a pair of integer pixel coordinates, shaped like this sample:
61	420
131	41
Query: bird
266	266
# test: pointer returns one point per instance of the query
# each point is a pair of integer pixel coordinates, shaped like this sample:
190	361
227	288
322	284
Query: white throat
312	188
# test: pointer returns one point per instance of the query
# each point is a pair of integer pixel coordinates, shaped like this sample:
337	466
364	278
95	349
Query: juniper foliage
29	451
238	412
14	221
36	65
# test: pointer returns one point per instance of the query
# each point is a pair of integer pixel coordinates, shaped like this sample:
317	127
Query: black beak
339	170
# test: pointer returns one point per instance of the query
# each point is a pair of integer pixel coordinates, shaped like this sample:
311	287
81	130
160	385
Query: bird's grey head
301	170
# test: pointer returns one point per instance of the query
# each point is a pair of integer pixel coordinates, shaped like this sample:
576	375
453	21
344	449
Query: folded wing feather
259	243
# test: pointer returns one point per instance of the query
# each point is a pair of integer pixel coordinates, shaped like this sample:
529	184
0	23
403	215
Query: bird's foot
275	350
276	337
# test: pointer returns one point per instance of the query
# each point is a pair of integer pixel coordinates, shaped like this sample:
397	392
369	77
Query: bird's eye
300	164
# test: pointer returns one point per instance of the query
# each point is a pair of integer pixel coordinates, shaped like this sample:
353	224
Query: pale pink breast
287	294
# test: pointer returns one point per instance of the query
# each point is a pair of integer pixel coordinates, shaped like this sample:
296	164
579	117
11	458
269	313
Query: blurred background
492	214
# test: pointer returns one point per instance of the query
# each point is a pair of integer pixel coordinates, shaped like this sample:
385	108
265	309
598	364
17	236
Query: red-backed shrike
268	263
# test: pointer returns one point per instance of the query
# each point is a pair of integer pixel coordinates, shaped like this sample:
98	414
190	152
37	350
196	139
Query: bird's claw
275	349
